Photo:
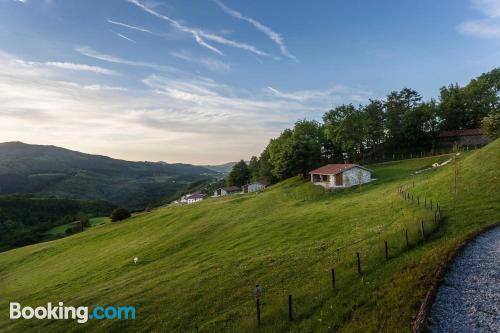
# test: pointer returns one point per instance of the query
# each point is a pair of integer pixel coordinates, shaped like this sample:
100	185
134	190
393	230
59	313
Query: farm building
340	175
464	137
253	187
220	192
195	198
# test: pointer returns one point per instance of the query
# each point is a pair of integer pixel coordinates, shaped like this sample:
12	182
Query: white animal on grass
136	260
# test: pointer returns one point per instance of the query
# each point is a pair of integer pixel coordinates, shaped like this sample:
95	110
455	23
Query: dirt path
469	298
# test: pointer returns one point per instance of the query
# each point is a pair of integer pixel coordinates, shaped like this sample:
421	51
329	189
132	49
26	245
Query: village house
464	137
195	198
220	192
336	176
253	187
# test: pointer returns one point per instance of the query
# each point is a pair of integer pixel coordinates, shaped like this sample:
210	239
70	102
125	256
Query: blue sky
213	81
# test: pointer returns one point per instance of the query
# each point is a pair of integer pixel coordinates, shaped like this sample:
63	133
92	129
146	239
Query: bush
120	214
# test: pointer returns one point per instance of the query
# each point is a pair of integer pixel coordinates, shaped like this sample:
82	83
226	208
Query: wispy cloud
274	36
487	27
490	8
324	97
70	66
209	63
123	36
133	27
200	35
91	53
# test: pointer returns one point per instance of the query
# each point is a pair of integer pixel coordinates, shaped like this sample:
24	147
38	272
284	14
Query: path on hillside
469	298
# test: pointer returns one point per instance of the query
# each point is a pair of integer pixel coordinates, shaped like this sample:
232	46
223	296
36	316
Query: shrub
120	214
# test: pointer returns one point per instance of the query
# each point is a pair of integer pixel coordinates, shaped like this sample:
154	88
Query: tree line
401	123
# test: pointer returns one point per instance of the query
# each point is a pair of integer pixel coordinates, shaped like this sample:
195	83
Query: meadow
198	264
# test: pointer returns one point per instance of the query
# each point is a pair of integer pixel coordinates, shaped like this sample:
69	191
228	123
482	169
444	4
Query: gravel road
469	298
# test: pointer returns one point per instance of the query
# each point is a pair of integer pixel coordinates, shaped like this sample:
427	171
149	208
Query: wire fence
282	298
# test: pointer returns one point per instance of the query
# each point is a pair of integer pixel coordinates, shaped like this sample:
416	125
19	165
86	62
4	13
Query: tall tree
397	104
306	145
239	175
253	167
344	128
374	122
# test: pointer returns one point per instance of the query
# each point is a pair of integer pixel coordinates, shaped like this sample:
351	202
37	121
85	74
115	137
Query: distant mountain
59	172
221	168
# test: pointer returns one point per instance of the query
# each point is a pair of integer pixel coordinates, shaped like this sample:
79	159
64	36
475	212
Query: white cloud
488	27
70	66
91	53
481	28
123	36
209	63
176	117
133	27
490	8
274	36
198	34
324	98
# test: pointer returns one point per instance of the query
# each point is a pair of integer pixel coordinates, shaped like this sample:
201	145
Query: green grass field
61	229
199	263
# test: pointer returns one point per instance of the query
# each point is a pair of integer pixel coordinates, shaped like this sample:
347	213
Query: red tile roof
332	169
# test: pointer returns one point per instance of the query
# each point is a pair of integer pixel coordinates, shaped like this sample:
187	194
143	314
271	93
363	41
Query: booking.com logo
81	314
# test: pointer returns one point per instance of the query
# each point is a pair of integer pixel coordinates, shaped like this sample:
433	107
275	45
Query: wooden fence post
290	312
406	237
431	204
359	263
258	311
422	229
333	278
418	200
386	251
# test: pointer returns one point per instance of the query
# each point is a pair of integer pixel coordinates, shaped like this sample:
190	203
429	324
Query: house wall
255	187
352	177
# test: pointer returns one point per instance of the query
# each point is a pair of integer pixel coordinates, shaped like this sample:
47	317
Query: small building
463	137
183	199
229	190
253	187
340	175
195	198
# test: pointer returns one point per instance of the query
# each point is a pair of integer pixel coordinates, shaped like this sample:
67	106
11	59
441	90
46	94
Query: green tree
307	146
239	175
254	167
265	168
491	125
120	214
418	125
374	122
281	156
397	104
344	127
452	107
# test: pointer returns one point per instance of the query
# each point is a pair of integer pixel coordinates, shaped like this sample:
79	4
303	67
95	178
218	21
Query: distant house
464	137
340	175
195	198
253	187
220	192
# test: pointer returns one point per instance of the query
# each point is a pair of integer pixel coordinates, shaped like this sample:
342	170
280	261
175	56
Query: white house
340	175
220	192
253	187
195	198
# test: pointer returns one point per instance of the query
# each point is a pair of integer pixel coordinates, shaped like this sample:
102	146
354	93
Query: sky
212	81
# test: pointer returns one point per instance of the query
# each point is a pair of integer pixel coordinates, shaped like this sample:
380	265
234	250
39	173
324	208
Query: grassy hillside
24	219
199	263
54	171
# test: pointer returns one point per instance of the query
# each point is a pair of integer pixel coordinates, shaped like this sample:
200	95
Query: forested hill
55	171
